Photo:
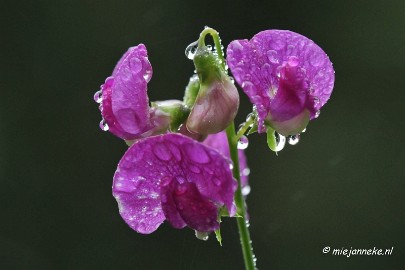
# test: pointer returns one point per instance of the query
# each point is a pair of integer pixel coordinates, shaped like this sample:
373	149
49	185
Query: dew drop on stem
191	50
243	142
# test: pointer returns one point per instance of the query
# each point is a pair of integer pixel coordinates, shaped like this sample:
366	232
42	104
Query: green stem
244	128
240	202
217	42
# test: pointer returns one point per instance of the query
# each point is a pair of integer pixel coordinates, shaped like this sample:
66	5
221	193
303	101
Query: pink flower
285	75
124	100
172	177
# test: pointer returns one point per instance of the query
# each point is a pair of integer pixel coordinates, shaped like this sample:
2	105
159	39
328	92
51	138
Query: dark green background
341	186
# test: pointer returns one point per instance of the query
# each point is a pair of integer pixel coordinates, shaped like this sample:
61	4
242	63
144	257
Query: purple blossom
124	100
172	177
285	75
219	142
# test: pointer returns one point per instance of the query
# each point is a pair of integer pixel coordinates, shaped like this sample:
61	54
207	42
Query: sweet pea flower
175	178
124	100
285	75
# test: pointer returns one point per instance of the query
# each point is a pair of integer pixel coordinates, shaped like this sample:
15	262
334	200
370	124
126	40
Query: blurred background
342	186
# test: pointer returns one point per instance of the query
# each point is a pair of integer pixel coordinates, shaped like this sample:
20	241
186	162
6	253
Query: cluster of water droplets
281	140
98	98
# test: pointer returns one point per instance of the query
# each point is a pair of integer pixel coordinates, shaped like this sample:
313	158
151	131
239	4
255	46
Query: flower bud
217	101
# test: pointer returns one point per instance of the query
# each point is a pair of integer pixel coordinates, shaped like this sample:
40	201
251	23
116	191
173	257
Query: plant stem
217	42
244	235
245	127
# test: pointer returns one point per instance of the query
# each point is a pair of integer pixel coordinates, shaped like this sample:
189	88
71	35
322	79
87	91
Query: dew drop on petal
194	169
201	235
161	152
216	181
191	49
136	65
272	56
103	125
293	139
316	101
317	114
98	96
197	153
147	75
243	142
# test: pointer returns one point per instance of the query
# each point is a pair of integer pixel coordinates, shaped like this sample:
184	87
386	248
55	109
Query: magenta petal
149	164
283	73
138	199
198	212
219	142
169	205
125	104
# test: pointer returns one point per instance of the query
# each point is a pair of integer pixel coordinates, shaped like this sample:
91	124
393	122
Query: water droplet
196	152
231	166
136	65
246	190
246	172
103	125
243	142
272	56
161	152
201	235
209	47
290	49
316	101
194	169
280	141
98	96
232	80
216	181
147	75
317	114
208	169
305	129
247	85
250	116
293	139
191	49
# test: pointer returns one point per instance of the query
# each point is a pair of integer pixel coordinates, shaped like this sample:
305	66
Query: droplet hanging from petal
293	139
